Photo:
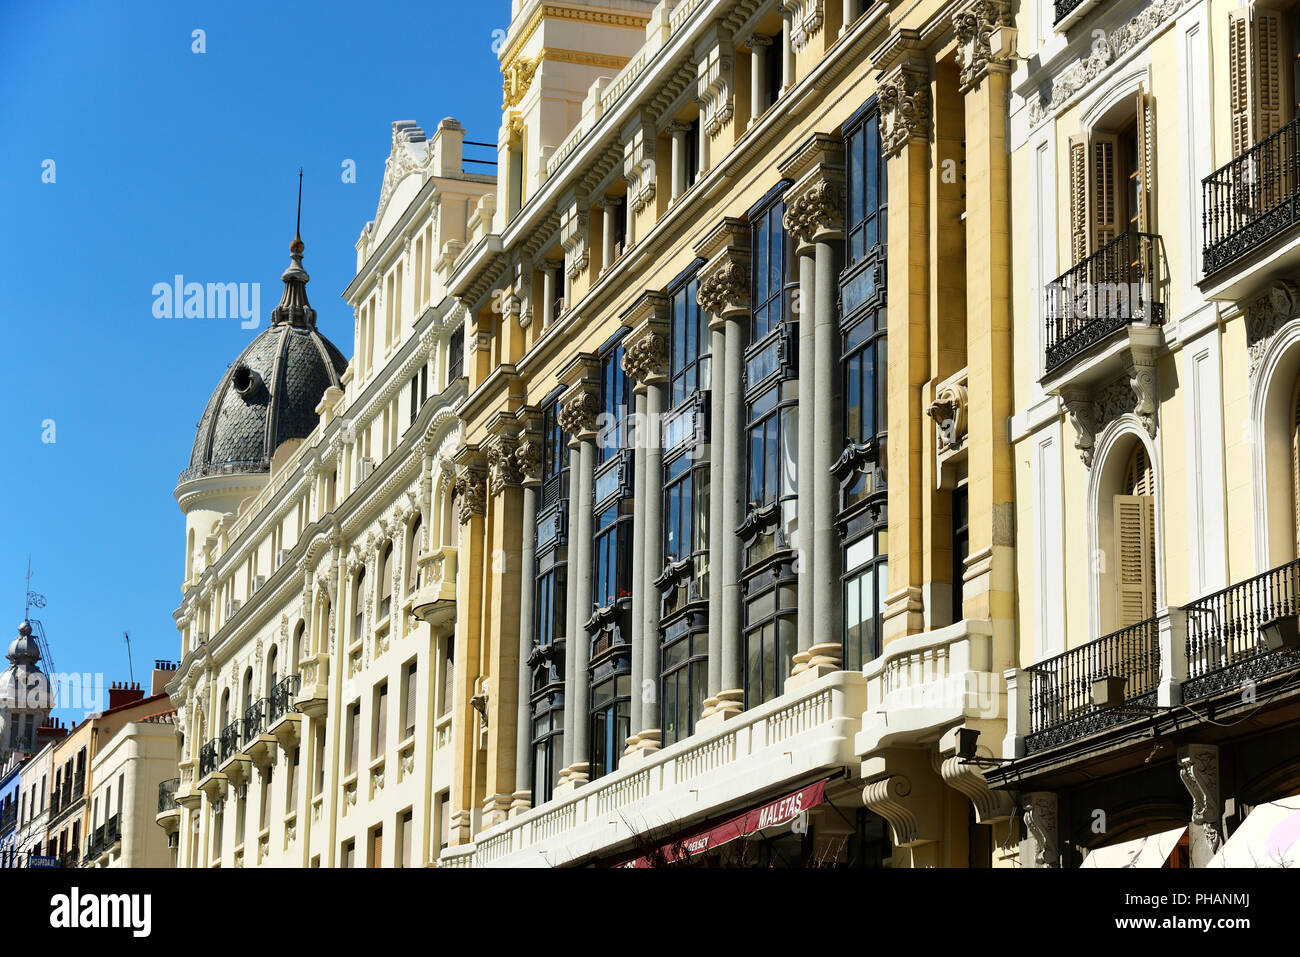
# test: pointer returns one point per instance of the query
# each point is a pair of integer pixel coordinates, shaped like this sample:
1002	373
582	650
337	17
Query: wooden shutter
1146	129
377	848
1239	97
354	732
1103	194
1135	549
412	678
1078	199
381	722
1257	75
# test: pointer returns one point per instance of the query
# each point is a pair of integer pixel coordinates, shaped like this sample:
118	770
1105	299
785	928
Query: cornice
557	12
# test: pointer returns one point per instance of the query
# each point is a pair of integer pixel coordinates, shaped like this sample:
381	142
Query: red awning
780	811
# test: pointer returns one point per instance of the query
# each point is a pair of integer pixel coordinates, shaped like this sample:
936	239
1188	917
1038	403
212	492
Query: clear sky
170	161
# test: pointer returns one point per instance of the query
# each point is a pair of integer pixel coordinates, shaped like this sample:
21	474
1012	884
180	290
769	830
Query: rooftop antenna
36	600
130	669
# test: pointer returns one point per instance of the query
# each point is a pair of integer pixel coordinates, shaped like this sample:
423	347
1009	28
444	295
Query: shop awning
1151	851
780	811
1268	837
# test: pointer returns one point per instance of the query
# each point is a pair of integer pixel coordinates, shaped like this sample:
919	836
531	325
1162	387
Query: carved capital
503	467
471	484
578	412
977	52
905	107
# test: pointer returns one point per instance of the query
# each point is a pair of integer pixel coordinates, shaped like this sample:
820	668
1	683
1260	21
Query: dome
23	686
269	394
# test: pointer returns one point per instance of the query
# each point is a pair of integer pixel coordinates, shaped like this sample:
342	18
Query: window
688	355
413	555
551	535
419	391
319	760
448	674
692	154
864	386
405	827
291	785
771	634
1263	73
548	744
1135	541
350	854
960	545
376	856
410	699
1108	192
456	355
684	682
379	735
611	715
353	738
386	582
359	606
444	820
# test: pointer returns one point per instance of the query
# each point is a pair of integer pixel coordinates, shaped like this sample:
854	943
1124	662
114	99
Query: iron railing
167	794
282	696
1060	696
230	740
1064	8
208	758
1117	286
255	720
224	468
1224	649
1251	199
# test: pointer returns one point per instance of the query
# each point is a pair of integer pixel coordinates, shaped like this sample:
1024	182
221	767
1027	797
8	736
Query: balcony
435	602
283	721
234	755
169	812
804	732
1061	705
212	782
313	691
1224	648
1248	205
1116	288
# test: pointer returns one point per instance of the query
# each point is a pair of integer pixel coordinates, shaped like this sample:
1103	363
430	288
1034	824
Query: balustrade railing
167	794
255	721
282	696
208	758
230	740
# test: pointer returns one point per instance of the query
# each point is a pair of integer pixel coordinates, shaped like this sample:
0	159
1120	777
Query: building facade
737	514
316	626
1154	431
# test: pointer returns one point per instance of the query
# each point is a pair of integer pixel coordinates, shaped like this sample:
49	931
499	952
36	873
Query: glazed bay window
608	625
546	663
683	585
769	589
860	468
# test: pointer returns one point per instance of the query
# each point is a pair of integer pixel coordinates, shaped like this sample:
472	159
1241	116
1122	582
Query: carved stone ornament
725	290
647	358
974	27
1041	823
528	459
1266	314
503	468
1083	416
1071	81
815	211
470	494
949	413
1199	769
518	77
578	413
905	109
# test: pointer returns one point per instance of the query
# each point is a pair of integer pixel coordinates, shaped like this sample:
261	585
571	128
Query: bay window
547	659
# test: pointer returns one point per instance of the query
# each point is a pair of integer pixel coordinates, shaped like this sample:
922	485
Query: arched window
386	581
1135	548
359	605
299	634
451	523
413	555
323	629
272	670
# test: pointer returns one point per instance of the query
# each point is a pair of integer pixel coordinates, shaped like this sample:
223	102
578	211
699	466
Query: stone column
1040	847
579	409
1198	766
471	491
610	205
906	130
717	493
678	133
850	14
813	217
724	293
985	45
646	361
639	594
528	458
548	267
787	49
758	45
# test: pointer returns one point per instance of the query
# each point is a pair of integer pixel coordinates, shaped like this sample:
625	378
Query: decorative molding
905	106
517	77
968	779
1040	813
976	52
715	87
1265	315
949	413
1198	766
470	483
888	797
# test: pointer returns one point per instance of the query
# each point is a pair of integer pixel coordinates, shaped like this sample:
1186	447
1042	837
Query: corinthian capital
724	278
981	42
905	108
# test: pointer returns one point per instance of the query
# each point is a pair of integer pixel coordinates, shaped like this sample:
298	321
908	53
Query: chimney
162	673
52	730
122	693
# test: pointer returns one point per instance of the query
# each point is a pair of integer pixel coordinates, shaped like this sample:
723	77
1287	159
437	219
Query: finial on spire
296	247
294	307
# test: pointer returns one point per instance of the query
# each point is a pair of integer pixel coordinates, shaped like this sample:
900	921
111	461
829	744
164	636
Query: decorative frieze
1266	314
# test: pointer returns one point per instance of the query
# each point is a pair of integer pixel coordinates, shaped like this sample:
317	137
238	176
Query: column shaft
580	690
640	594
654	561
572	630
717	510
679	159
732	677
528	573
827	438
810	429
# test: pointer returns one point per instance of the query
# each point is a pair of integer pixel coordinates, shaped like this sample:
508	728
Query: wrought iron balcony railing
1060	697
1252	199
208	758
255	720
1117	286
167	794
230	740
1064	8
1224	649
282	696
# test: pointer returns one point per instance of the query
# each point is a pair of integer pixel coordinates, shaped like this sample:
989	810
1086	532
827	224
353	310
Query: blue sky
169	161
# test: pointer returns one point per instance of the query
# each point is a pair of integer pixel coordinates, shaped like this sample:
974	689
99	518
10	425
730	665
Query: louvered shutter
1239	70
381	722
1267	77
1102	192
1135	547
1146	128
412	680
1078	199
